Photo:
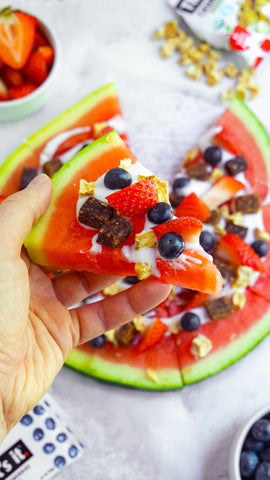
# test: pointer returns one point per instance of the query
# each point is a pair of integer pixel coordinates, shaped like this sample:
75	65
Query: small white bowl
237	445
16	109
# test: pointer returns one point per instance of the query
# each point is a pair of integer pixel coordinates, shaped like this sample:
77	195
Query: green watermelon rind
60	123
229	355
254	127
124	375
59	180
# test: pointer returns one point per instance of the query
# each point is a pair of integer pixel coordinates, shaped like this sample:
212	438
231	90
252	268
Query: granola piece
52	166
201	346
159	33
236	165
110	335
125	163
261	235
239	300
236	218
210	66
171	29
28	174
236	229
152	375
199	171
204	47
142	270
244	277
228	94
254	90
98	126
112	289
169	47
191	154
95	213
163	190
174	327
214	77
86	188
220	230
224	211
185	59
145	240
113	233
126	334
249	203
195	71
216	174
214	217
214	55
228	270
230	70
219	307
195	54
140	324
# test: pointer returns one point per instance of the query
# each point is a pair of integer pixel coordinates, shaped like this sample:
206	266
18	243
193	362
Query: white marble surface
131	434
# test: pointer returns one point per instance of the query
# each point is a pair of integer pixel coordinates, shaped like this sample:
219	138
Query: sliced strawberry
193	206
36	68
102	132
13	78
188	227
198	299
39	41
240	252
22	91
136	199
4	95
48	54
153	335
222	191
17	32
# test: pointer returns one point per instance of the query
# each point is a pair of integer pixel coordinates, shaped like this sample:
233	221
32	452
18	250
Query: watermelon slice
59	241
185	357
76	125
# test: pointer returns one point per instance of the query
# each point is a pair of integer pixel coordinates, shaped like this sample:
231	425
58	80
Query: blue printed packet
39	445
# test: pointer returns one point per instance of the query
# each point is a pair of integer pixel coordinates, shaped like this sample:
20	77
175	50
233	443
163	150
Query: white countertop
179	435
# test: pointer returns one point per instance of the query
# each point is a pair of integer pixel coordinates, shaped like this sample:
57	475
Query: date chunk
95	213
115	232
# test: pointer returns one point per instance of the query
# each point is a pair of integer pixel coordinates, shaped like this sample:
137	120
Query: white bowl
237	445
16	109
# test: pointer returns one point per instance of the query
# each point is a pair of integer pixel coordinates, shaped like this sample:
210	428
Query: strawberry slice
39	41
153	335
240	252
48	54
21	91
189	228
36	68
3	92
193	206
17	33
13	77
198	299
136	199
222	191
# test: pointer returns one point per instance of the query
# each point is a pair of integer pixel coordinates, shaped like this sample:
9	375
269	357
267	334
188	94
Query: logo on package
188	5
13	458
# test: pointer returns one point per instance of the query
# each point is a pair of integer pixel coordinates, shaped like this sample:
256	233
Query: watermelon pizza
192	334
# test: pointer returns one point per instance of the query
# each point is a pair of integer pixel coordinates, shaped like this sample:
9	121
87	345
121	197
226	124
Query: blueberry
50	423
61	437
260	247
38	434
97	342
48	448
26	420
263	471
117	178
131	279
160	213
207	240
73	451
171	245
261	430
59	461
248	463
252	444
212	155
265	455
180	183
190	322
38	410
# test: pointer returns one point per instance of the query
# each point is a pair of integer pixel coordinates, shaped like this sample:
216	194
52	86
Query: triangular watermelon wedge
59	241
71	128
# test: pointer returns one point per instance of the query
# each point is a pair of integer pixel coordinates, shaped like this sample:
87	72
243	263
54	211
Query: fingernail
39	180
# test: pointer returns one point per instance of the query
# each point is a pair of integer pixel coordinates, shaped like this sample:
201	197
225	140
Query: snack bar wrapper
40	445
242	27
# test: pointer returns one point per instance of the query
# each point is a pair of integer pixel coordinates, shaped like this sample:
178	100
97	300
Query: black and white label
188	6
13	458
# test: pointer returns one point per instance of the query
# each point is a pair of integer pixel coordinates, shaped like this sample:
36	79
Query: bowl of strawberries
29	61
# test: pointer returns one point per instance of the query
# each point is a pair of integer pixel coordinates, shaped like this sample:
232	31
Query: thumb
20	211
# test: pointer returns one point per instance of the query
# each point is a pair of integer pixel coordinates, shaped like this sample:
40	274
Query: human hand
37	330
